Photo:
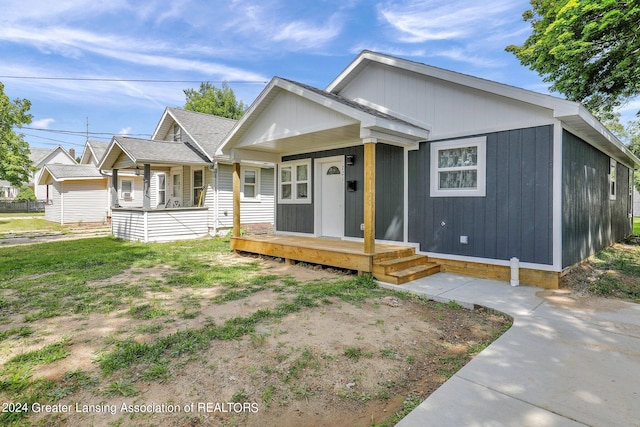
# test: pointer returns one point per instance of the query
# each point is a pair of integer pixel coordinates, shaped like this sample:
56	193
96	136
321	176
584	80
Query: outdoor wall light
351	160
137	171
352	185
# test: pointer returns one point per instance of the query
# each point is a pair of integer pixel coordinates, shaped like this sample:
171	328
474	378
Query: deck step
405	269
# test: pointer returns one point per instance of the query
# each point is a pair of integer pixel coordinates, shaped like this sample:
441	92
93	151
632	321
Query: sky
111	67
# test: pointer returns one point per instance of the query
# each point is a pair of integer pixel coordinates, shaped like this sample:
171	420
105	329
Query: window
250	184
162	188
294	182
612	179
198	187
177	136
176	186
458	168
126	189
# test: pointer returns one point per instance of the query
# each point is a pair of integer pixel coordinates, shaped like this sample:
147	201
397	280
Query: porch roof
290	117
124	152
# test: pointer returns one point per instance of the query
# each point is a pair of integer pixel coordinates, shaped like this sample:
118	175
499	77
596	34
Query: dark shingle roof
207	130
146	150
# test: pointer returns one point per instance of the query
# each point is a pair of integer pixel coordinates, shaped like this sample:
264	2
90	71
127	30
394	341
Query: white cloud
42	123
307	35
421	21
125	131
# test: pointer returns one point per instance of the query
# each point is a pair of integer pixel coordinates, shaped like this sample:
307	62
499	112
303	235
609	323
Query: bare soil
336	364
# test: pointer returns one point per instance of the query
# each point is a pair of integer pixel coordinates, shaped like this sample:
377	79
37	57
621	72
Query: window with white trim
294	182
250	184
458	168
198	187
612	179
126	189
162	188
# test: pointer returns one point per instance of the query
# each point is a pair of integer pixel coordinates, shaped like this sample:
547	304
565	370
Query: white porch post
370	195
236	199
114	189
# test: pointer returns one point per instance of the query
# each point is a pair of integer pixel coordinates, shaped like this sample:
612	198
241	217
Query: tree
15	165
25	194
212	100
589	50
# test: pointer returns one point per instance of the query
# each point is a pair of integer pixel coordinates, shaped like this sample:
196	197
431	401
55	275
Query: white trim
121	193
613	178
256	197
317	209
158	187
193	187
557	195
293	233
383	242
294	182
405	232
481	167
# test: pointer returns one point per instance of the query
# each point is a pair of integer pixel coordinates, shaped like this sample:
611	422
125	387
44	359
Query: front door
331	200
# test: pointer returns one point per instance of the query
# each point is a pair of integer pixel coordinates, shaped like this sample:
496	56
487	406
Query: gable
290	115
451	109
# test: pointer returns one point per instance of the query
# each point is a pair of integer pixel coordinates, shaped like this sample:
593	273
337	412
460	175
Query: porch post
146	196
236	199
114	189
370	195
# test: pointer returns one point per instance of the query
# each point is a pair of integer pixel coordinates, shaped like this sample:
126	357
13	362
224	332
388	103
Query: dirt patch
331	363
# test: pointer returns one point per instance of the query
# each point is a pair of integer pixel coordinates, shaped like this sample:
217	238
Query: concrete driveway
566	361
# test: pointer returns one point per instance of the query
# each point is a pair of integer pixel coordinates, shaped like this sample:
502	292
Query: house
79	192
185	189
41	156
474	176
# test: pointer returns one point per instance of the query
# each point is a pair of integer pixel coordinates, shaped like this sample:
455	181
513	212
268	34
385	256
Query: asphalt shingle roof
207	130
59	172
146	150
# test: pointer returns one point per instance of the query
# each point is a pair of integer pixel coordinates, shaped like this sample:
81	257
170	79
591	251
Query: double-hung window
294	182
162	188
198	187
126	189
458	168
250	184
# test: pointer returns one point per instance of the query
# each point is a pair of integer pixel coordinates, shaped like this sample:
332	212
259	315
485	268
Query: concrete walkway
565	362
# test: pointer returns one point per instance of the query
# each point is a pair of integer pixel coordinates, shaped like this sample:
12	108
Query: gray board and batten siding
514	219
590	219
299	218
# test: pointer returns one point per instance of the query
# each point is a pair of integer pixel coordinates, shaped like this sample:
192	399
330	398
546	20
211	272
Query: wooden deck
389	263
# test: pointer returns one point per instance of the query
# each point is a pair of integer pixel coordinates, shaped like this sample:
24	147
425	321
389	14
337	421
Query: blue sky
243	42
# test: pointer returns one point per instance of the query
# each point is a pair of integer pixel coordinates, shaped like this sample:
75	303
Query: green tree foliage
25	194
588	49
15	165
212	100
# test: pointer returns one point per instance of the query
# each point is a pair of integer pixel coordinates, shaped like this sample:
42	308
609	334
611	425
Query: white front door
331	197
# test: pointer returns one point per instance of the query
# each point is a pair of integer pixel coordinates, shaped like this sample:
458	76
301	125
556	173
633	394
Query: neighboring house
636	202
77	193
42	156
7	190
468	171
185	190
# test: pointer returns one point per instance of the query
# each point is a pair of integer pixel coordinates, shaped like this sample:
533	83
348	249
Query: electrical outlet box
464	240
362	227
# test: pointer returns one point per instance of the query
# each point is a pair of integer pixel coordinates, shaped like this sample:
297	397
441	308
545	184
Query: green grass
618	272
24	225
636	226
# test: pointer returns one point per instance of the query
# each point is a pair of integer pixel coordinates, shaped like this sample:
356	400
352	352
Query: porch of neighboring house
388	263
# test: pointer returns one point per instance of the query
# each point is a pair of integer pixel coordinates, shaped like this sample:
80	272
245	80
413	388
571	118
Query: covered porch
171	203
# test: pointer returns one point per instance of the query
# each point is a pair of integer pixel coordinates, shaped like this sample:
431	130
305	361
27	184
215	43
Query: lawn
636	226
97	323
28	225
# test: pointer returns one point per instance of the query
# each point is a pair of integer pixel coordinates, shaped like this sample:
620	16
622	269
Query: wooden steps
404	269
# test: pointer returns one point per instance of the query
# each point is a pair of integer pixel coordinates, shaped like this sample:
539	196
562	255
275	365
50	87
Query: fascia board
160	123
